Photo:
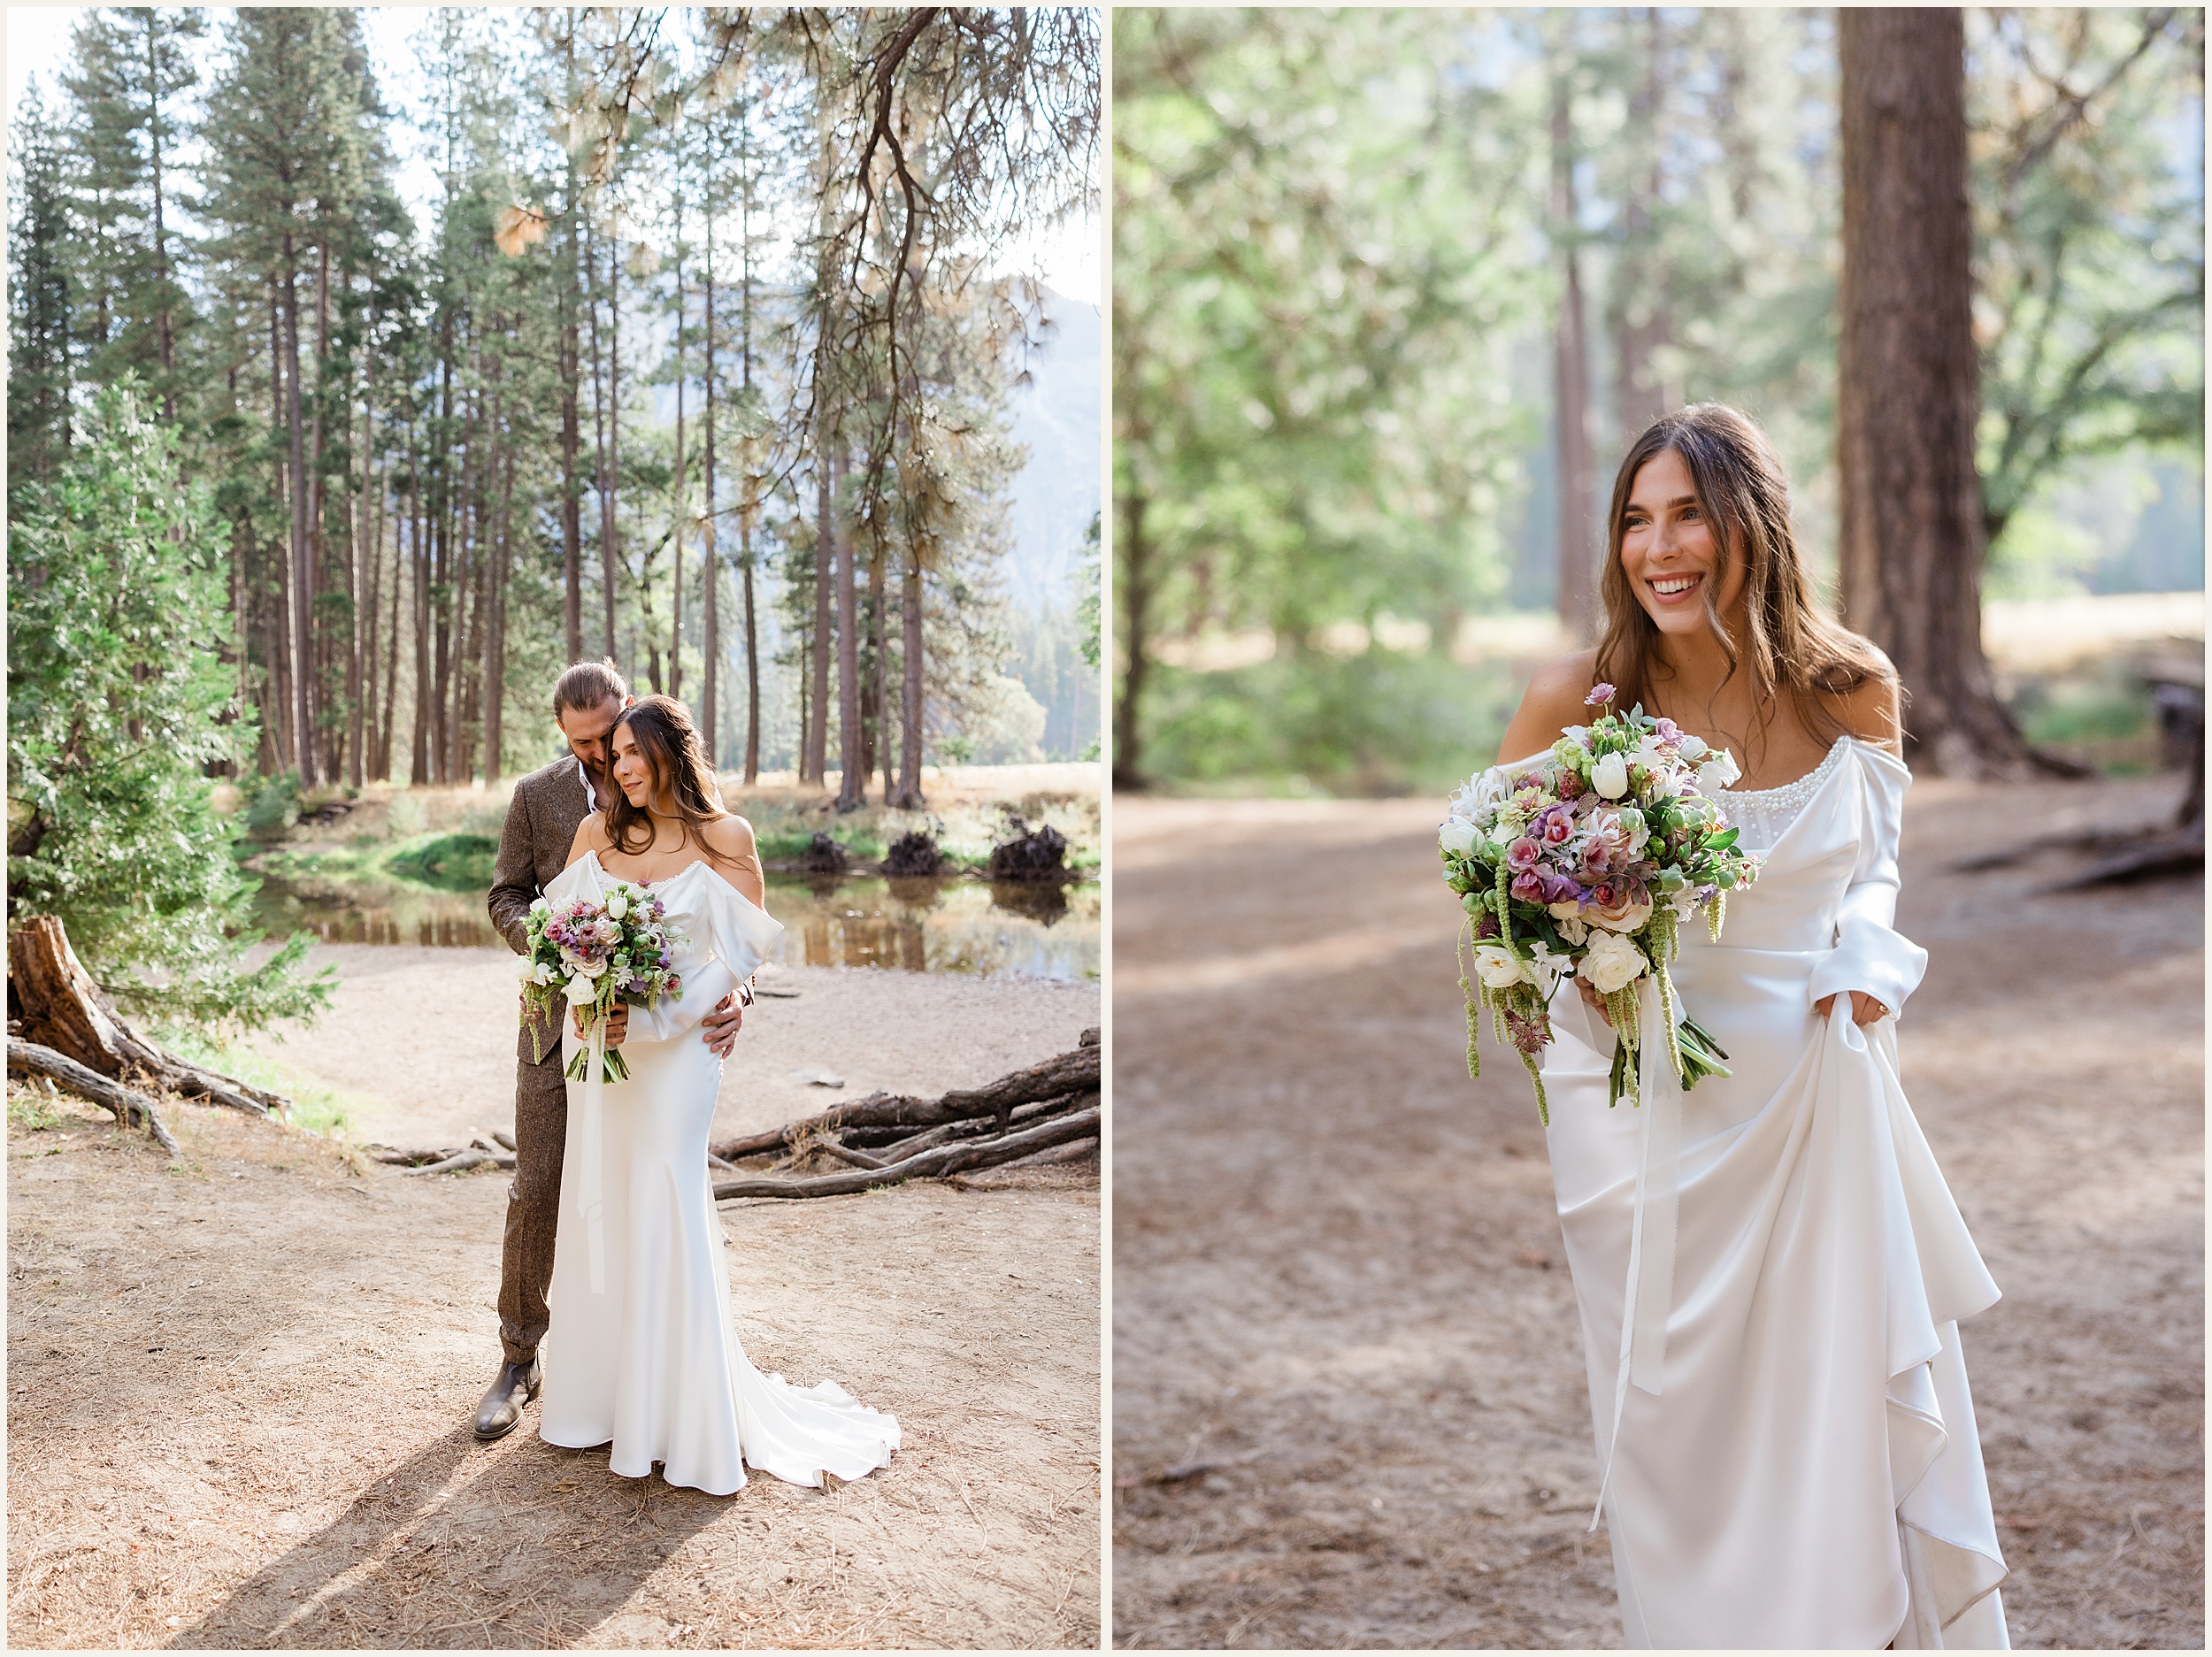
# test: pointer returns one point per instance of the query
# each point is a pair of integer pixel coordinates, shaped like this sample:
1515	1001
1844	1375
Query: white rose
590	968
1457	836
1611	962
580	990
1499	967
618	904
1610	776
528	970
1718	771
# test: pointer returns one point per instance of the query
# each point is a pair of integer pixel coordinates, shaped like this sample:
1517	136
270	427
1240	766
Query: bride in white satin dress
1790	1459
641	1352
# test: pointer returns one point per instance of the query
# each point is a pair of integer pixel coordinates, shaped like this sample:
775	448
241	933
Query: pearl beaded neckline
1763	815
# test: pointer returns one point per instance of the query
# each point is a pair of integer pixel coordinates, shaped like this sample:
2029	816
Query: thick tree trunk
572	488
852	781
1639	313
710	561
910	702
1135	606
815	760
302	576
879	670
1909	385
1577	550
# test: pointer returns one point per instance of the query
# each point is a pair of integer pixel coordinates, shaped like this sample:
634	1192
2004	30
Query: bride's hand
1593	1000
617	1024
1864	1008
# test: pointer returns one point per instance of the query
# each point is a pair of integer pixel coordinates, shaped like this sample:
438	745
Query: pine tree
132	66
39	293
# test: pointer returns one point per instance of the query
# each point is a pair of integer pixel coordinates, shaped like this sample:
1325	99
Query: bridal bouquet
594	954
1586	866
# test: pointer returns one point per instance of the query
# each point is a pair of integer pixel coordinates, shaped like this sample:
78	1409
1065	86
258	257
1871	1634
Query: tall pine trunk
815	761
302	576
1909	390
709	557
1134	613
852	779
910	702
1577	551
572	486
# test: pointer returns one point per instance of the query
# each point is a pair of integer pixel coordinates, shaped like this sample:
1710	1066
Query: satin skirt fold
1808	1476
652	1364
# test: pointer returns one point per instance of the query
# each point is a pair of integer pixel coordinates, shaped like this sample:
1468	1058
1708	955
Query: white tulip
581	991
1457	836
1719	771
1610	776
528	970
538	905
1691	748
618	904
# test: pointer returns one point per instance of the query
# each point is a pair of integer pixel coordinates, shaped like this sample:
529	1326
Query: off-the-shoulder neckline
663	884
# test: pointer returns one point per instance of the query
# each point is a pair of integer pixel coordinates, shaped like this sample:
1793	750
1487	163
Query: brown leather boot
502	1405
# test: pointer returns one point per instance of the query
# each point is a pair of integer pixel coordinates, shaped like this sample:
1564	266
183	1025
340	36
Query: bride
641	1349
1794	1465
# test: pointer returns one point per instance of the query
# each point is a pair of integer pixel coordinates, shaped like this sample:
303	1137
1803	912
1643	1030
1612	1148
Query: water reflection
913	924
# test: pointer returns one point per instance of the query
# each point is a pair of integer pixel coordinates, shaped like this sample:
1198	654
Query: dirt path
238	1389
418	1045
1348	1393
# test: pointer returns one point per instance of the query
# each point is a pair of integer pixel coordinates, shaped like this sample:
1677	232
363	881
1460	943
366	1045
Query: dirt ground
240	1386
1348	1395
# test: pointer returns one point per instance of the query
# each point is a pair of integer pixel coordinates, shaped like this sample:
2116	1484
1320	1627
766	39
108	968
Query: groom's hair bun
589	685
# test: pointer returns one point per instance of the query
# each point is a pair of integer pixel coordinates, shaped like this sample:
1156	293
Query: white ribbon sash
589	1208
1649	1294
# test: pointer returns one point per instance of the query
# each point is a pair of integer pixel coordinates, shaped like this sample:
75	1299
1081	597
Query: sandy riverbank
240	1385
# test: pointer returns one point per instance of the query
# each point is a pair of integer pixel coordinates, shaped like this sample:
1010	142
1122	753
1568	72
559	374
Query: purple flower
1599	695
1486	924
1522	855
1561	889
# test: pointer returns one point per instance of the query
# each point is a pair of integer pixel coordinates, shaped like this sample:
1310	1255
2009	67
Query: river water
916	925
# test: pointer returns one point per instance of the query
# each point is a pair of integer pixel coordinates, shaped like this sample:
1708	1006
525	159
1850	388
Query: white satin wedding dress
1771	1271
641	1349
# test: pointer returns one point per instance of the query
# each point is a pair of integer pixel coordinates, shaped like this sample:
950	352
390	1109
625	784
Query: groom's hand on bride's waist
617	1024
720	1028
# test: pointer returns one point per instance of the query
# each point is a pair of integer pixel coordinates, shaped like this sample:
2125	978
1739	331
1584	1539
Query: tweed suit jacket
542	817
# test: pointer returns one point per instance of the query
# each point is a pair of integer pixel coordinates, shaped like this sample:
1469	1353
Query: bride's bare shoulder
730	840
1557	698
591	836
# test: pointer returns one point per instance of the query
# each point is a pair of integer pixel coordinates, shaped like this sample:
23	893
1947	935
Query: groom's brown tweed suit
541	821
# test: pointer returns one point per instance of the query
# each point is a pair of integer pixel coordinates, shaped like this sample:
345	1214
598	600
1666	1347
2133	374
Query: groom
541	821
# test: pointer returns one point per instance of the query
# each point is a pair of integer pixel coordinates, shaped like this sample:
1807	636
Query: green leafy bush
117	694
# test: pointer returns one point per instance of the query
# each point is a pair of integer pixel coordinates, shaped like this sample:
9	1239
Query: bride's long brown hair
1789	648
676	761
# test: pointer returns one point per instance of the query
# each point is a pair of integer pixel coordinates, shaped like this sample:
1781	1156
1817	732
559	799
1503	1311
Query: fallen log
66	1011
130	1108
948	1159
899	1150
1073	1071
461	1162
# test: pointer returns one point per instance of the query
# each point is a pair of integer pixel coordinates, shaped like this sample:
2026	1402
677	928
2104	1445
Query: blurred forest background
344	411
1384	279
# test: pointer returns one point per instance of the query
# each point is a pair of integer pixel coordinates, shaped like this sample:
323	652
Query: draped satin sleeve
1870	954
733	937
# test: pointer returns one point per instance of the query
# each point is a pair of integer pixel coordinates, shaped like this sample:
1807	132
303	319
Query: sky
1068	259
